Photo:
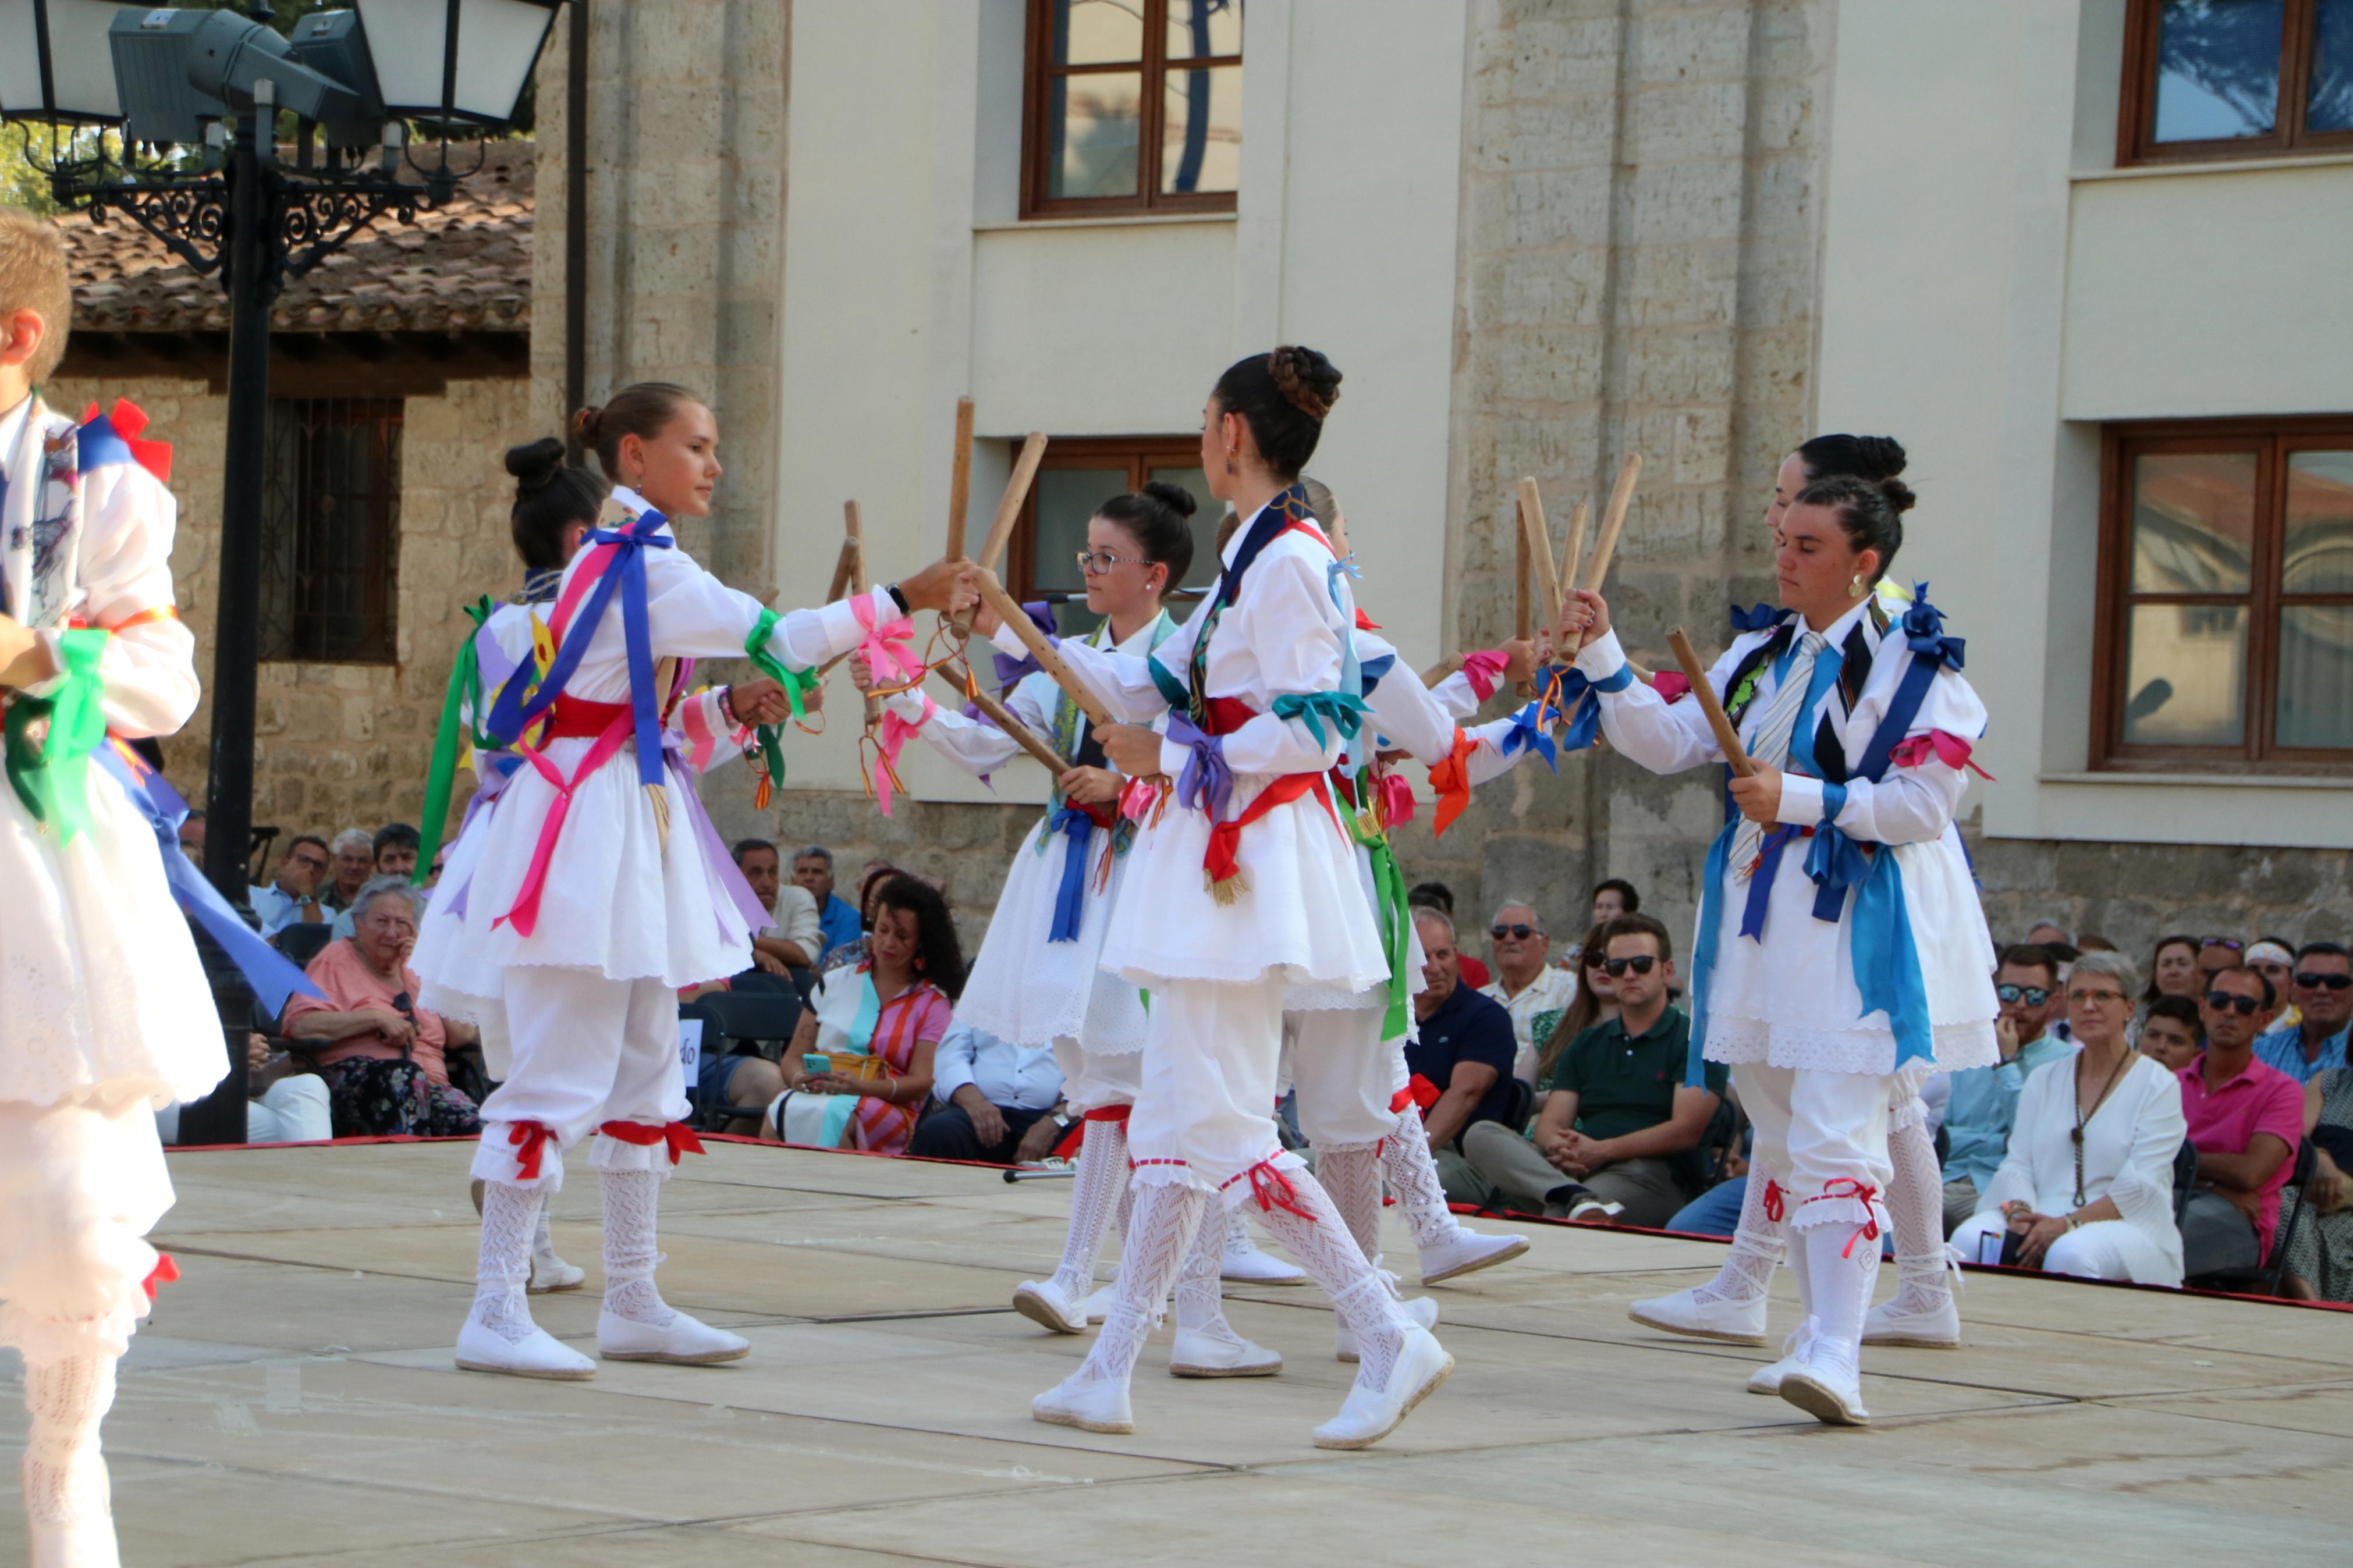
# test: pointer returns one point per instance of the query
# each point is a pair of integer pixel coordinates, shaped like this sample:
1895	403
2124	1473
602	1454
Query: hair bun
1308	382
1881	457
1176	497
1899	495
588	424
534	463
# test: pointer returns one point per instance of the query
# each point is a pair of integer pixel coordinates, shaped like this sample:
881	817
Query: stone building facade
1637	192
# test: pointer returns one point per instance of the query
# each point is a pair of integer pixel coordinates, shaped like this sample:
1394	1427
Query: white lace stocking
1757	1246
64	1473
632	1201
1165	1221
510	1219
1200	1296
543	1241
1916	1213
1101	1180
1413	1175
1352	1175
1320	1240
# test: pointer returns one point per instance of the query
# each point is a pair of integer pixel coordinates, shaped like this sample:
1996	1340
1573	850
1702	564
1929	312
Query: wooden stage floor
293	1401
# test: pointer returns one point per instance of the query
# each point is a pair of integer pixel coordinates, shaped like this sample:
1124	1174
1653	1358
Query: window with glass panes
331	529
2226	599
2236	78
1133	105
1077	476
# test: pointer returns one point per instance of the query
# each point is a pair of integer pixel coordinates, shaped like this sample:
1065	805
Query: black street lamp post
238	211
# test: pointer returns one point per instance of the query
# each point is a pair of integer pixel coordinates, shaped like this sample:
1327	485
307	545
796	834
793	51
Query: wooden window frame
1038	70
2272	442
2136	116
1143	454
292	615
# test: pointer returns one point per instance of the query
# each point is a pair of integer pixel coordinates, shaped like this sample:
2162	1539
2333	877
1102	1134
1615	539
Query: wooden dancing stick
1009	509
1049	660
1002	717
960	480
1522	622
841	564
1537	537
1572	552
1613	522
1726	735
856	543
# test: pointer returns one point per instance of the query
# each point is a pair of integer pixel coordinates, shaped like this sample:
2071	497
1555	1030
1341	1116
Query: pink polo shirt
2260	1100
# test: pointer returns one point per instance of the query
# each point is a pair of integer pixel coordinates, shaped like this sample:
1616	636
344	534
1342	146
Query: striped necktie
1770	748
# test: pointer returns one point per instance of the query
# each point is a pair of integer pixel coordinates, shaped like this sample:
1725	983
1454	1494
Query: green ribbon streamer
50	772
797	685
441	773
1389	893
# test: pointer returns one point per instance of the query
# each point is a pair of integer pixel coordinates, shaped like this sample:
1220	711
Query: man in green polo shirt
1619	1128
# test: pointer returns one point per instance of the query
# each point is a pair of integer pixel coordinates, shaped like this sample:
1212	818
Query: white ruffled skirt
1032	991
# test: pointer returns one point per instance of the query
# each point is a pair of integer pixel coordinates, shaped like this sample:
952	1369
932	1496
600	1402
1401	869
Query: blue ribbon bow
518	704
1761	618
1528	733
1070	900
1924	630
1207	784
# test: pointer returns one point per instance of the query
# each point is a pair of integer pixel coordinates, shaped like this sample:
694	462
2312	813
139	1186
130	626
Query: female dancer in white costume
1245	885
600	891
1841	944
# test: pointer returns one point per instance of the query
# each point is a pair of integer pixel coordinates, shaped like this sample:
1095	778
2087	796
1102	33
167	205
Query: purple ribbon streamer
714	848
1205	769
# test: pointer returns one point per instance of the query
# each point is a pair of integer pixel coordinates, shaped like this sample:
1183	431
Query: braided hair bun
1307	381
1283	396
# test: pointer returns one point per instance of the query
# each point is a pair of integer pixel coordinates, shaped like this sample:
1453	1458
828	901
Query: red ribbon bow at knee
677	1134
1274	1191
1417	1091
530	1139
1861	1192
1773	1195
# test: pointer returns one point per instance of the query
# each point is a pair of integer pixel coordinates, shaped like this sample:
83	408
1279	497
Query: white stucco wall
1993	289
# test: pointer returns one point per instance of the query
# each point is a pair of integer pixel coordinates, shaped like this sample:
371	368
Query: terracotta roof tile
464	268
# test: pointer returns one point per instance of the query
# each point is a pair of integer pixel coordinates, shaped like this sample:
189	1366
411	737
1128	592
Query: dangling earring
1854	586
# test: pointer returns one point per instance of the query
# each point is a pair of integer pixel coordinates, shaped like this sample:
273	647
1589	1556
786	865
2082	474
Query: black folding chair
765	1019
302	943
2185	1178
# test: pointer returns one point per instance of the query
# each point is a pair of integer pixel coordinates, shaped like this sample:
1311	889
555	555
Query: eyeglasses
2093	998
2032	995
1641	963
2223	1001
2315	981
1520	931
1096	563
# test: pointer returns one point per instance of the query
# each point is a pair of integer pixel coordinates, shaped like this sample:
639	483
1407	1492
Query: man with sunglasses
1984	1103
1531	991
2246	1118
2323	993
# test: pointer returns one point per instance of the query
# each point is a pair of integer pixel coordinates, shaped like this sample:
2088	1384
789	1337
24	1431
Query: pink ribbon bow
891	739
890	647
1946	747
1671	685
1484	670
1397	801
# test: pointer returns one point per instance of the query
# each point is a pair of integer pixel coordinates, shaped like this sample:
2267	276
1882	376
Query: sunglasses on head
2223	1001
2315	981
1641	963
1520	932
2032	995
2222	941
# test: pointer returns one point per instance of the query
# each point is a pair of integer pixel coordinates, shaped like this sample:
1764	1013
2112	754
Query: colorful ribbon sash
50	739
440	776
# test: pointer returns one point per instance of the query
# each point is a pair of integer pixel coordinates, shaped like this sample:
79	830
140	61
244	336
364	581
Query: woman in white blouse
2087	1185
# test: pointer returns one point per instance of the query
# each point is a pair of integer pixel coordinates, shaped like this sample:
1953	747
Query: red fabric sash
677	1134
1222	861
576	719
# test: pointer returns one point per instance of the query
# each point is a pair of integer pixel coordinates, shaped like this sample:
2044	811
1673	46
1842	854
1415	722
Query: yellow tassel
660	797
1226	891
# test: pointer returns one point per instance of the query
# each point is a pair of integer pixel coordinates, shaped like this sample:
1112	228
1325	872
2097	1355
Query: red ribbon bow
1451	781
128	420
677	1134
166	1272
1419	1092
1946	747
1861	1192
1773	1192
1366	623
531	1137
1274	1191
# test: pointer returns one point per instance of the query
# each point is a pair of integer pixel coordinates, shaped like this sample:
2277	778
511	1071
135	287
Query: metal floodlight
54	64
178	69
467	59
333	44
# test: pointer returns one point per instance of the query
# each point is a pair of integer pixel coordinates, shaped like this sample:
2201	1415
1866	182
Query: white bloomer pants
1823	1136
1346	1076
1205	1114
81	1183
1097	1080
587	1050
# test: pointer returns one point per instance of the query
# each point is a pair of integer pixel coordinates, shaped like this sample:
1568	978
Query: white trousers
294	1110
2104	1250
587	1050
1096	1080
1205	1113
1823	1136
81	1183
1347	1076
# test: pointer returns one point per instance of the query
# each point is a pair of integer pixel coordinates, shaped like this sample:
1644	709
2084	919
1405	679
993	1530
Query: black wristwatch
900	599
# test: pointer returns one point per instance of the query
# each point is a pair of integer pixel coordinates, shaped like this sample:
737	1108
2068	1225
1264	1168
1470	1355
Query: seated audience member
395	847
2246	1120
1000	1102
837	918
2318	1266
383	1057
2173	1033
875	1028
1620	1134
1531	991
2217	953
1983	1102
293	898
2043	934
288	1105
2315	1043
1464	1051
1594	1001
2087	1185
355	863
1439	897
2173	969
854	951
1613	898
794	937
2274	959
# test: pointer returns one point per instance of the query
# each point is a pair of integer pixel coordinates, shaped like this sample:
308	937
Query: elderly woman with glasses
384	1057
2087	1185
